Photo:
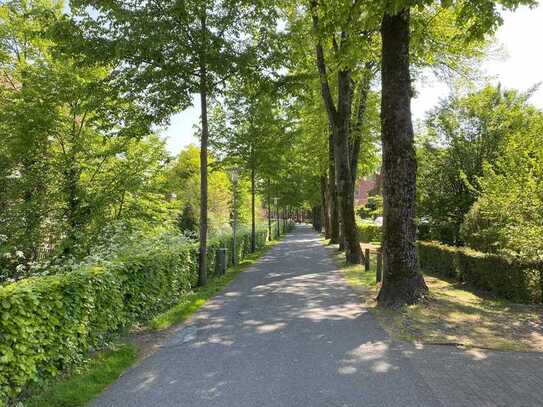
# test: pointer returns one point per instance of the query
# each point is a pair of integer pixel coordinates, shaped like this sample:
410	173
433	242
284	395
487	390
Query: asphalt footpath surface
289	332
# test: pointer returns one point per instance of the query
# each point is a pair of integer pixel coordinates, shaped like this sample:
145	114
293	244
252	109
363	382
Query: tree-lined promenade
299	102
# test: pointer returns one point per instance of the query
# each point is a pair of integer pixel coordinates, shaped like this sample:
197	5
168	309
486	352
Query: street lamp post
234	176
275	200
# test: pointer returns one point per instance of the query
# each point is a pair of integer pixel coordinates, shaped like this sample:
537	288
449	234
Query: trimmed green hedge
369	232
49	324
512	279
508	278
243	246
284	227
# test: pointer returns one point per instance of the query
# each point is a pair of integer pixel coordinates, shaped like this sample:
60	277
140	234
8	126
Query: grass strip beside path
455	315
86	383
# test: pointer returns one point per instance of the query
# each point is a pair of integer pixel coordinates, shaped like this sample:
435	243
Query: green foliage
243	245
369	232
509	278
49	323
162	48
438	258
476	18
465	134
480	175
372	209
183	177
187	221
508	215
76	155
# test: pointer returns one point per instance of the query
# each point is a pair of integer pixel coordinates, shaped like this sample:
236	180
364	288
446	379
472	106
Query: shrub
243	246
49	323
508	214
510	278
369	232
186	222
372	209
438	259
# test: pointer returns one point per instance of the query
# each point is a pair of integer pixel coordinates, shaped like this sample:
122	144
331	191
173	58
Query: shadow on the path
288	332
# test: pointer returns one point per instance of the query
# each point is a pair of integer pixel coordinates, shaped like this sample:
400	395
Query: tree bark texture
403	283
270	233
317	218
356	132
353	253
332	195
325	207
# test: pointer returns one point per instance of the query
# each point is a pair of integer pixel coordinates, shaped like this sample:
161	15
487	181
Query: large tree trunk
202	264
325	207
356	132
332	193
353	253
317	218
403	283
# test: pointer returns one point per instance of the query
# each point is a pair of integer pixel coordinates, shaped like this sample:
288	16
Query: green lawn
86	383
454	314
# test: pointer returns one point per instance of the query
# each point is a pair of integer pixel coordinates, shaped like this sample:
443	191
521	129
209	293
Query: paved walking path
289	332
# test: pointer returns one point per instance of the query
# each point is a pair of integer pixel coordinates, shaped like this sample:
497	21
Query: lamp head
234	174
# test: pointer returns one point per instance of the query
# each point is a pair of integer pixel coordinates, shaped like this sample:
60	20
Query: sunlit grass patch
454	314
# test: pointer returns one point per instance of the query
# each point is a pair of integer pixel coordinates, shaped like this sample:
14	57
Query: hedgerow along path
290	332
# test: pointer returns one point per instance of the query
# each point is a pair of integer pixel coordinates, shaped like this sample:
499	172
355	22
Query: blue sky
521	68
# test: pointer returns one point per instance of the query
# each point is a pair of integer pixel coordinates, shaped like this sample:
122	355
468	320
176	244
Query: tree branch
357	128
321	66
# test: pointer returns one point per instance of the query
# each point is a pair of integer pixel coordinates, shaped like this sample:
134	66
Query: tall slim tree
167	50
340	113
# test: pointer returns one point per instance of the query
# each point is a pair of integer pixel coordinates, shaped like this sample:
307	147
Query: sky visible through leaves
514	36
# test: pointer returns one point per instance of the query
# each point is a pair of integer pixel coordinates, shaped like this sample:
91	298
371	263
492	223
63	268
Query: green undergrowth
104	368
85	383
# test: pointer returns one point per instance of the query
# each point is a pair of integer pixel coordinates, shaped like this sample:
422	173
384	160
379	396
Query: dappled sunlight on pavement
289	332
